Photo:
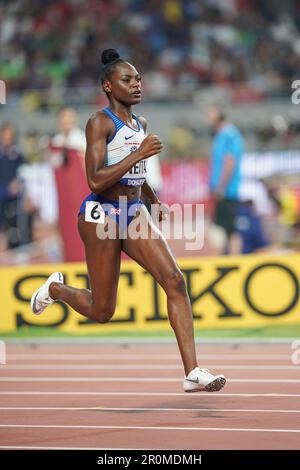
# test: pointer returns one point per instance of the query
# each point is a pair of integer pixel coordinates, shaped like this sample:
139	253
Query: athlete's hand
160	211
163	212
150	146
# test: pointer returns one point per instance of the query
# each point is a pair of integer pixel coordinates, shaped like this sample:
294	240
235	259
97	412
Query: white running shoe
201	380
40	298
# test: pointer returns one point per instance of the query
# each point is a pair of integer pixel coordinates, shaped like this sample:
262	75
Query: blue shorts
122	212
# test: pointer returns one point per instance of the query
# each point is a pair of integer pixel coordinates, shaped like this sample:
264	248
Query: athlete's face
124	84
7	135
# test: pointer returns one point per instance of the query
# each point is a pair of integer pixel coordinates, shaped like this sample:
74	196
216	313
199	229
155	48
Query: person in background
69	137
285	195
66	155
11	158
227	151
250	229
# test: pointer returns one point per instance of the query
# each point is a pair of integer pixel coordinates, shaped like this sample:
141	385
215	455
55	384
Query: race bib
94	212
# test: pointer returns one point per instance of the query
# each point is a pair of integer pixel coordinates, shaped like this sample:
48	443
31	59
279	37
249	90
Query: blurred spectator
69	140
66	154
285	197
69	137
181	140
184	43
11	159
227	150
250	229
279	133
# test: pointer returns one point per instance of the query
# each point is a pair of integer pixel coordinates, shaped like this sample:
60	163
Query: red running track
130	397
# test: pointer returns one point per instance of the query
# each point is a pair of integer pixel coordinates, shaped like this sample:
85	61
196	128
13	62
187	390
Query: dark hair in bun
109	55
110	59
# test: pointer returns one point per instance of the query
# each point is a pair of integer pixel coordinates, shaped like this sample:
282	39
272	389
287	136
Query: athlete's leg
155	257
103	261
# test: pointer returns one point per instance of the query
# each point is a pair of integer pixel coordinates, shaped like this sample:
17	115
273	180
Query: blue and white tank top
124	141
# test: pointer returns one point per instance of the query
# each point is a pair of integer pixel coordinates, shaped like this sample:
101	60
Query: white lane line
154	394
140	357
144	428
293	368
106	408
134	379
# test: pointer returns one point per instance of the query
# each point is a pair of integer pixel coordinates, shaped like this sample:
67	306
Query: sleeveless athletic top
124	141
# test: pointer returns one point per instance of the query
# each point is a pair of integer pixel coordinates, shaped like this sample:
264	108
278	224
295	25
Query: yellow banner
233	292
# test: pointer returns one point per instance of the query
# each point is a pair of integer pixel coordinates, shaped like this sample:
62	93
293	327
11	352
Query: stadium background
244	54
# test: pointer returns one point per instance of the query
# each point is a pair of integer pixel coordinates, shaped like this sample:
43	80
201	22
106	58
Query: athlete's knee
175	282
102	314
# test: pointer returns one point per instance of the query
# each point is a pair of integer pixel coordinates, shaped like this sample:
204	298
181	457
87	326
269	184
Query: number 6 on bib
94	212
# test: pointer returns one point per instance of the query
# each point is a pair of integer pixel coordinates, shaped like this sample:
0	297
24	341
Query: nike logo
126	138
193	381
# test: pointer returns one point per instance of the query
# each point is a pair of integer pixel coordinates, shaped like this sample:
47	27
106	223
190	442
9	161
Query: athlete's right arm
101	177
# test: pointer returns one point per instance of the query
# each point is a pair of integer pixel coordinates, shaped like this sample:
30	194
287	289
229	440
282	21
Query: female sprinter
116	155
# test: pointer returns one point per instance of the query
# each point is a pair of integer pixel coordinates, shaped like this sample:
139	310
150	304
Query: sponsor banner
233	292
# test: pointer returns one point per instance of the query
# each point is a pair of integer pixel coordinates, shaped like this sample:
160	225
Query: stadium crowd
181	44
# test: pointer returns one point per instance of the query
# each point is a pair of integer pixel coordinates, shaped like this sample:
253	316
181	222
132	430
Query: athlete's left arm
161	210
147	190
149	193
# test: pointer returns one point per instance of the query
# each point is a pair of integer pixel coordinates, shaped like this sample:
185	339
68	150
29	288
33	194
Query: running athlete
116	157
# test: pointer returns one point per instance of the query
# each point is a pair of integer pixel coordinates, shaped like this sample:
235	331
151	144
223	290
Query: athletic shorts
95	207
